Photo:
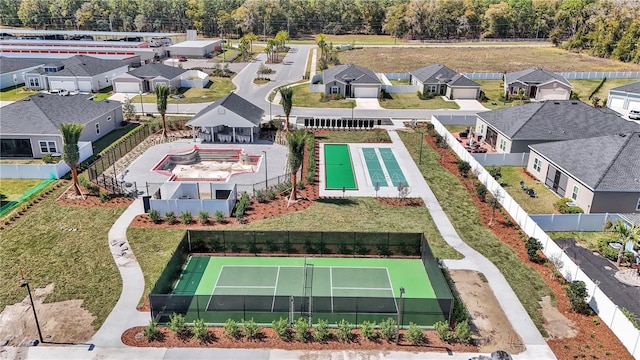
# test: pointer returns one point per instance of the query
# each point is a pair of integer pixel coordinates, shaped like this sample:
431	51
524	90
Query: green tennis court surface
338	167
373	167
393	168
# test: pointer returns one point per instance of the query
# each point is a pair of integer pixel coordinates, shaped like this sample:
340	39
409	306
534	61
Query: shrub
187	217
631	316
368	330
281	328
577	293
442	329
219	216
151	332
463	332
321	331
284	187
261	196
231	329
203	217
171	217
533	245
177	324
562	206
464	167
344	330
481	190
415	334
104	197
495	172
302	331
154	216
251	330
388	329
271	194
200	331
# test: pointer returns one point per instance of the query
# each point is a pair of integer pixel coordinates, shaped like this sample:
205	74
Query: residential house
599	174
624	98
537	84
78	73
512	130
229	119
439	79
13	70
146	77
351	81
29	128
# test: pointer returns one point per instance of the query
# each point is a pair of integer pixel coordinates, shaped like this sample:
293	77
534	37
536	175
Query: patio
474	143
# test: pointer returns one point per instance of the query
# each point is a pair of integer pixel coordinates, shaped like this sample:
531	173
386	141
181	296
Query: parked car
182	59
634	114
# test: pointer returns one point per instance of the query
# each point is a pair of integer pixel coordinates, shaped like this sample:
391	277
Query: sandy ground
63	322
556	324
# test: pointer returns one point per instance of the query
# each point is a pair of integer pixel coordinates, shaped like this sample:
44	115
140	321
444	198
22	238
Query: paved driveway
367	104
470	105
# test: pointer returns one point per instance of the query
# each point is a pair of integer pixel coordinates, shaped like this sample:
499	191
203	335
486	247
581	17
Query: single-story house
599	174
537	84
13	70
351	81
229	119
624	98
29	128
195	48
512	130
78	73
146	77
439	79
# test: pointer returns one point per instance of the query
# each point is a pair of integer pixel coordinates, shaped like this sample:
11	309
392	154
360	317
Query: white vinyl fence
43	171
574	222
316	88
600	303
457	119
511	159
568	75
401	89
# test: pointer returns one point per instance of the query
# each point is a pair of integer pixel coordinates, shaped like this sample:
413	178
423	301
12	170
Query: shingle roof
350	72
438	73
555	120
535	76
43	113
8	64
633	87
233	103
83	65
154	70
604	163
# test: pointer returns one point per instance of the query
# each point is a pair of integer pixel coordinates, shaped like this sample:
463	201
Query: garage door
126	87
59	84
366	91
616	102
634	104
552	94
84	86
469	94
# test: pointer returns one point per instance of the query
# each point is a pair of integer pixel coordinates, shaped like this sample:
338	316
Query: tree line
605	28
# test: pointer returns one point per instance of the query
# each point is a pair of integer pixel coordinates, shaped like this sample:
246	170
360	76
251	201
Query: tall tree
71	153
287	101
296	140
251	37
34	13
162	93
625	234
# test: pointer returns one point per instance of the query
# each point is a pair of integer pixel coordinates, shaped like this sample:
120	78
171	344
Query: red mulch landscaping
69	198
593	340
270	340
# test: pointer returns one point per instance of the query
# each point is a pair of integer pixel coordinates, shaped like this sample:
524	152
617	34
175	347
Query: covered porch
224	134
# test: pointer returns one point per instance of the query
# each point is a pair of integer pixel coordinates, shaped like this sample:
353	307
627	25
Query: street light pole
399	316
25	283
266	177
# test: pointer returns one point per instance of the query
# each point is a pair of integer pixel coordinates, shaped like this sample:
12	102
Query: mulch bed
594	338
270	340
69	198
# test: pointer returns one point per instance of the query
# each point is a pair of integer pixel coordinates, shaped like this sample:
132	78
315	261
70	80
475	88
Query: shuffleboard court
393	168
339	172
373	167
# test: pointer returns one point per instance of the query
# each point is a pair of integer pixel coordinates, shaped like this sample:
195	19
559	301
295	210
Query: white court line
298	266
393	292
331	285
359	288
275	288
214	287
244	286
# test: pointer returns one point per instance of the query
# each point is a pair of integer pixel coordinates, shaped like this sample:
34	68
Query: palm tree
162	92
287	98
71	152
321	40
296	140
251	37
626	234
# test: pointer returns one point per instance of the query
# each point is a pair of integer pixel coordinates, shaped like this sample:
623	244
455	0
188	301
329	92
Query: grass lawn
461	210
399	82
217	88
590	239
585	87
12	189
102	143
15	93
457	128
493	91
307	69
412	101
303	98
356	137
480	59
79	263
543	204
348	39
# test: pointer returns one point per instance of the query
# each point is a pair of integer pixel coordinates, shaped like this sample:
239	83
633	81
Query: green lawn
15	93
585	87
493	90
543	204
345	137
217	88
303	98
590	239
456	128
461	210
412	101
104	142
79	262
12	189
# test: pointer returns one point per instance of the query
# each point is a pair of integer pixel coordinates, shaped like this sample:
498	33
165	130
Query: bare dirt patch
556	324
64	321
69	198
493	329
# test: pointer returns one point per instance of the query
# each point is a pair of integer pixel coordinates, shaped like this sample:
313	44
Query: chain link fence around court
216	309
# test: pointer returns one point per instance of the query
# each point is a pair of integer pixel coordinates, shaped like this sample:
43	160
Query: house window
432	88
537	164
33	82
503	145
47	147
108	119
574	195
481	129
335	90
638	205
97	128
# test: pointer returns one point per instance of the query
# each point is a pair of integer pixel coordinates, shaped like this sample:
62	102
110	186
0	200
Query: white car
634	114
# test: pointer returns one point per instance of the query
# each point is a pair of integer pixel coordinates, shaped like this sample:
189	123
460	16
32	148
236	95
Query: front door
556	180
533	92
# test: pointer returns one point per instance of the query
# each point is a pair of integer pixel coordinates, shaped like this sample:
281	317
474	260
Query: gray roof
438	73
604	163
233	103
350	73
555	120
42	114
633	87
155	70
535	76
83	65
8	64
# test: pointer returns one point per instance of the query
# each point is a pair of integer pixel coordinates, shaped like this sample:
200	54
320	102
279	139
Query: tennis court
339	172
266	288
